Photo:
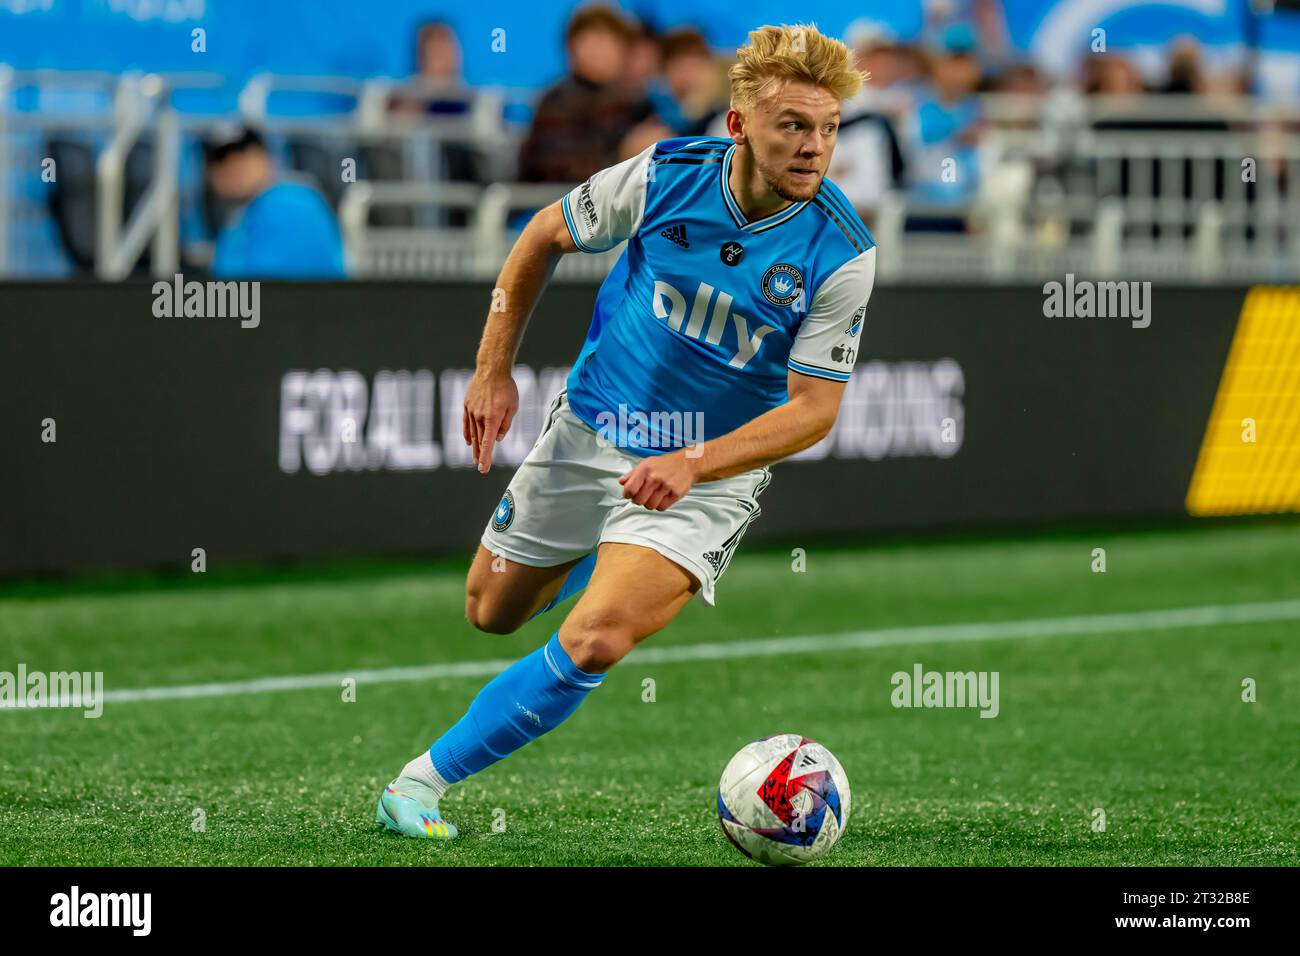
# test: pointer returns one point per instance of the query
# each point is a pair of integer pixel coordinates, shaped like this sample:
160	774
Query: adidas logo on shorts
676	234
715	560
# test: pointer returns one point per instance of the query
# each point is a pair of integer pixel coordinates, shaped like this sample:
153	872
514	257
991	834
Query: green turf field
1146	724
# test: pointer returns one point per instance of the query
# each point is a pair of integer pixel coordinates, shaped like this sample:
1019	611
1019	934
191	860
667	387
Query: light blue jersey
700	322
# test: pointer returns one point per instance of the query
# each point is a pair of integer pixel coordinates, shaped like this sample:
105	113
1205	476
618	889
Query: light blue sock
533	695
574	582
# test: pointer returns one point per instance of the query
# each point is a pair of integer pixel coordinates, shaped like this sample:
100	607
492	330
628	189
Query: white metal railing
476	250
155	219
457	247
1064	104
67	102
500	200
1212	194
1058	190
256	94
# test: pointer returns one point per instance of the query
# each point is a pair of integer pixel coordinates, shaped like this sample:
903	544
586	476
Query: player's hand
490	405
659	481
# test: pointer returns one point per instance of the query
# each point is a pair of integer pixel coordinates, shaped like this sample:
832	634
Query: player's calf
490	617
500	595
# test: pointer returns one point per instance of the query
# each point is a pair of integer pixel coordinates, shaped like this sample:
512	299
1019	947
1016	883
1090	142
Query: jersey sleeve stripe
840	205
694	146
701	161
691	151
850	218
573	229
848	234
816	372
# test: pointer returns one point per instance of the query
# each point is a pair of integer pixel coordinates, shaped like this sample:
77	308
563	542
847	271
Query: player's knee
488	615
597	639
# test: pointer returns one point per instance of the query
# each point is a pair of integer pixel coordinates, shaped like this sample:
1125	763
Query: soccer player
720	343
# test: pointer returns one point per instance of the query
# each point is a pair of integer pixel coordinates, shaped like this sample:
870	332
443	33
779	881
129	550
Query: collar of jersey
758	225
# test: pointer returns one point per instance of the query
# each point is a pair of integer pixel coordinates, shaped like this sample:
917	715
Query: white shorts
565	500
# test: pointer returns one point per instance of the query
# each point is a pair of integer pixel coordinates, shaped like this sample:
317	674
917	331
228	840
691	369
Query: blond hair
800	52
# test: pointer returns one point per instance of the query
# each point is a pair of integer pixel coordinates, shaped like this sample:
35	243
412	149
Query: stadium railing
476	250
140	103
1179	187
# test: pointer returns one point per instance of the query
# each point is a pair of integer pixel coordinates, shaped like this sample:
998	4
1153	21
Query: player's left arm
821	360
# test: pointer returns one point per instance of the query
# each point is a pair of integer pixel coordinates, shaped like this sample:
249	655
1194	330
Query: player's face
792	131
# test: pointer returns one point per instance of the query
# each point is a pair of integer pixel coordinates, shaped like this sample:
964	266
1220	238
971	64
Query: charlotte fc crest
505	513
782	284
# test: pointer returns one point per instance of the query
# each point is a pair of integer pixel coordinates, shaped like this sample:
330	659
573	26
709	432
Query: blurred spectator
582	121
274	228
892	76
644	60
1186	72
1022	79
438	85
438	57
1189	73
1115	76
690	94
987	21
869	160
1111	75
948	124
436	90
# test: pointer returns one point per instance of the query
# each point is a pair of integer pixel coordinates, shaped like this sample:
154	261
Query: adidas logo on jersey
676	234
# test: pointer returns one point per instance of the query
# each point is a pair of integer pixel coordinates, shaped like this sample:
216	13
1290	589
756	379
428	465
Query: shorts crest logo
782	284
505	513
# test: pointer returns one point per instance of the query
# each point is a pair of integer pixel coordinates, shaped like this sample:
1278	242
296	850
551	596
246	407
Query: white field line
1204	616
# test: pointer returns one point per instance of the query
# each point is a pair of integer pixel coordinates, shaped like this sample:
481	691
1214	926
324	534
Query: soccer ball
783	800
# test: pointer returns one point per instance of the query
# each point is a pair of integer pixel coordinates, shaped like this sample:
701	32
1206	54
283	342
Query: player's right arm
492	398
595	217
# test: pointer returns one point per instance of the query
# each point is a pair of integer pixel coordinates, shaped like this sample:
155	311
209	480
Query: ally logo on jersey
782	285
710	318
